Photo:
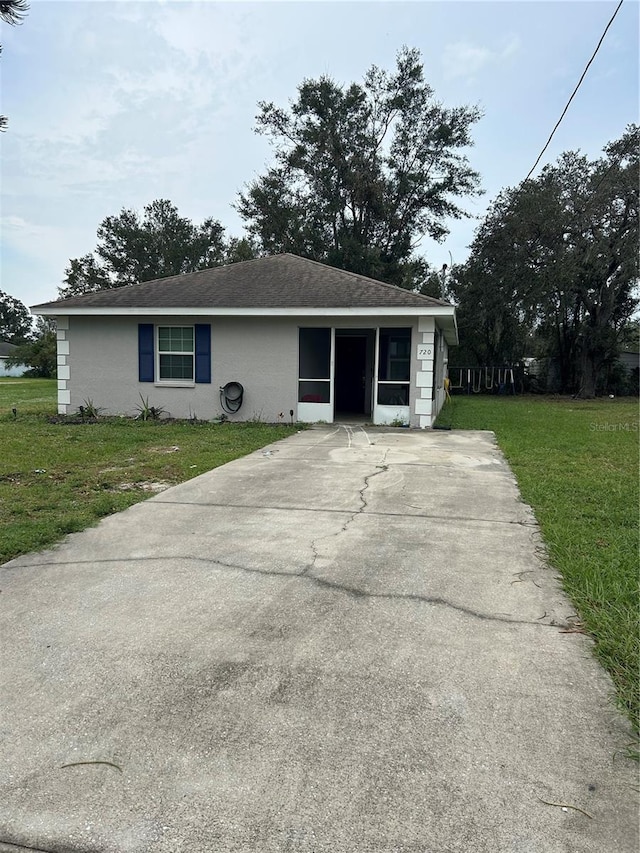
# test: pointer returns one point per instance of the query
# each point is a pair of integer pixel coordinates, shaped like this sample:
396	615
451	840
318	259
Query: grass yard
58	478
577	465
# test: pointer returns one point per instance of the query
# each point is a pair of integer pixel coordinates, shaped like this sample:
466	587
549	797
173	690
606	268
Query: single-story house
7	349
292	335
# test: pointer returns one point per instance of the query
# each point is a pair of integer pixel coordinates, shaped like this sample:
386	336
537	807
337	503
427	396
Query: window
175	353
394	366
314	384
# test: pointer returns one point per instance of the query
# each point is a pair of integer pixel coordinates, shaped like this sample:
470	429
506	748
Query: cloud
125	115
35	256
31	239
221	36
465	60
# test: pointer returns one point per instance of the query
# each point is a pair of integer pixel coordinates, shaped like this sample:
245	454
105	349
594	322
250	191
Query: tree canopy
15	320
363	172
39	354
11	12
556	263
133	248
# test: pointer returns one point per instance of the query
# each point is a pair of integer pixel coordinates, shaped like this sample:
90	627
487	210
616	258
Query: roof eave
449	326
59	310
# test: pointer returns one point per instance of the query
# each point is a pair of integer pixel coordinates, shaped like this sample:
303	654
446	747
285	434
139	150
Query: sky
114	104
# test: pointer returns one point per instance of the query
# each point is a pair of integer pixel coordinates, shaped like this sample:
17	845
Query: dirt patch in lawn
145	486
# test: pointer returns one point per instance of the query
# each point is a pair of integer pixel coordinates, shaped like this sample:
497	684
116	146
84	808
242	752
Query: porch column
424	374
63	371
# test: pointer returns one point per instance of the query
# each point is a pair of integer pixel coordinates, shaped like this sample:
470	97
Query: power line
584	73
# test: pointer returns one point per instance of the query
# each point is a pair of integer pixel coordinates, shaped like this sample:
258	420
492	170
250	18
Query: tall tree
362	173
86	275
39	354
160	243
15	320
557	258
490	319
11	12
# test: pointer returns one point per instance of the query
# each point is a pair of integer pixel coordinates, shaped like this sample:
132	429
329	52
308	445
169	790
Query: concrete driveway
348	641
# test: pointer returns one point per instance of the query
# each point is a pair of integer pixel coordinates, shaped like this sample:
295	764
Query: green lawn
56	478
577	465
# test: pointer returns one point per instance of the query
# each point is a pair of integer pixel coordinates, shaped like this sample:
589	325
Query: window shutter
203	352
145	352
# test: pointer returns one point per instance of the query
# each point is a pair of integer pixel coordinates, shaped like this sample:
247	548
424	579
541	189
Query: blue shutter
146	357
203	352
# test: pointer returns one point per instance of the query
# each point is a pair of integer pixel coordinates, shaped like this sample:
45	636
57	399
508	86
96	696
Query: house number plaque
425	351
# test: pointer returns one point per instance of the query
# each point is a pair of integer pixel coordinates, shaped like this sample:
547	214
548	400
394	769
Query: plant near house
89	410
147	412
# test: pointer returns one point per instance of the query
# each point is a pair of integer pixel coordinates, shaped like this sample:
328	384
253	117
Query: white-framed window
176	353
394	362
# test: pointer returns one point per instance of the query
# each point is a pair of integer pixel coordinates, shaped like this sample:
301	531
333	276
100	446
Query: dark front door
350	375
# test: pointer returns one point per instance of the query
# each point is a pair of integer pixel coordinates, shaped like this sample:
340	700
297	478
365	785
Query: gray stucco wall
101	354
263	356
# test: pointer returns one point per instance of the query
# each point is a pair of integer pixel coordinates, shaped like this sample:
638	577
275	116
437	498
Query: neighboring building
630	361
297	335
5	351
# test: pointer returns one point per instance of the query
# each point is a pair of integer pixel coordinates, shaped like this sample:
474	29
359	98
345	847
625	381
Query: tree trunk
588	375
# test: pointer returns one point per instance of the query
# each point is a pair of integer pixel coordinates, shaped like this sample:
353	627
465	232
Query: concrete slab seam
318	510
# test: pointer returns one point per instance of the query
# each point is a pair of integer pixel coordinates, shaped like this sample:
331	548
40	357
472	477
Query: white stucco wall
442	364
98	361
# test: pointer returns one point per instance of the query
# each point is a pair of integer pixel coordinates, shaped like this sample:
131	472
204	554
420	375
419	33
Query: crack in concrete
351	591
16	845
353	515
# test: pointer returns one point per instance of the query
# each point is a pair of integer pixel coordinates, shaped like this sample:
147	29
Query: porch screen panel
314	358
394	367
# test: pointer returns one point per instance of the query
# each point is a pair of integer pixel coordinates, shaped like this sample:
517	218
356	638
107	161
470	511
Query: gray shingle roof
7	349
278	281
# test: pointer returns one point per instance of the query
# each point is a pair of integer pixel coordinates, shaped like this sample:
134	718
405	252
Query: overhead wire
584	73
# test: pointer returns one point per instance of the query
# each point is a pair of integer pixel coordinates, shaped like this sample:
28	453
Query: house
296	335
630	360
6	350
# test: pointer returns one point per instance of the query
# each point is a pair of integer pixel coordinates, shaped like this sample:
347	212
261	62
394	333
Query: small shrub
147	412
399	422
88	409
